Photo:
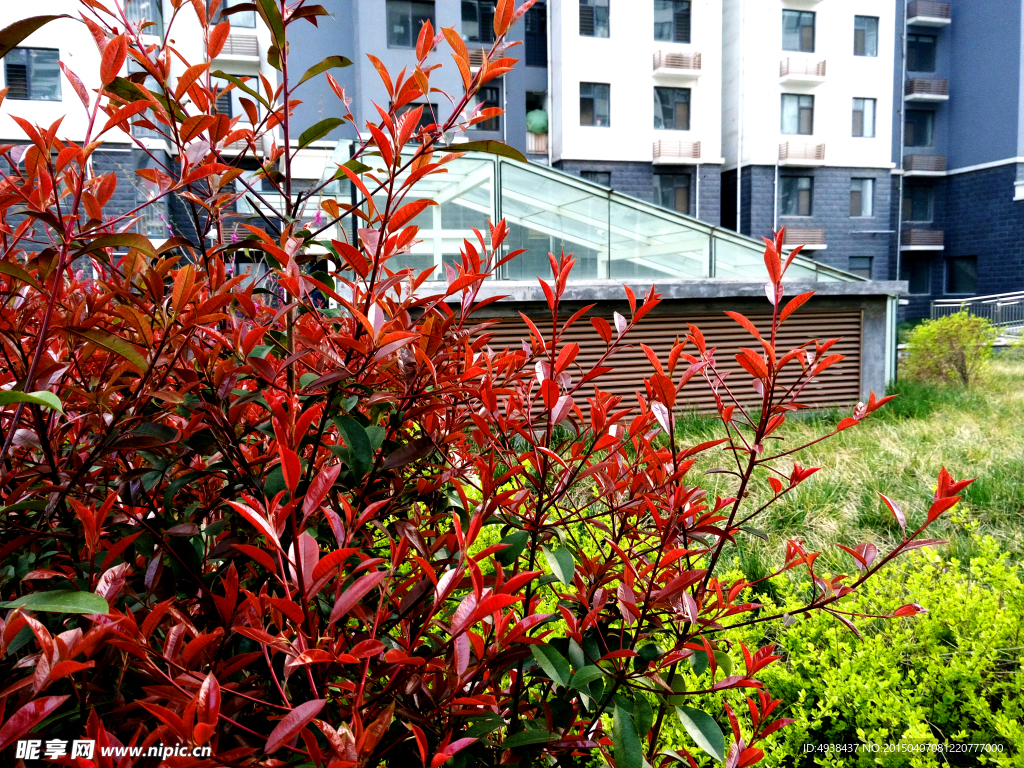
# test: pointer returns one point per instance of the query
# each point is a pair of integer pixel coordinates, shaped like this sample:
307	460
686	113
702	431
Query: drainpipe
696	192
551	100
903	130
739	128
775	208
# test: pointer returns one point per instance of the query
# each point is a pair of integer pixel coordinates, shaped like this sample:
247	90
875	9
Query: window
860	265
917	203
224	104
404	22
918	273
672	108
143	11
862	197
798	31
243	19
797	114
865	35
962	274
536	34
32	74
920	128
594	18
478	21
920	53
795	195
672	20
864	118
487	97
154	218
595	104
672	190
597	177
426	116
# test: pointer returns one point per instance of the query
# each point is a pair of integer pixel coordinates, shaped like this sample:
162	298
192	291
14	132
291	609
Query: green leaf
483	726
704	731
489	146
625	743
114	344
11	37
561	562
552	662
523	738
353	165
43	398
61	601
331	62
318	131
516	544
18	273
272	16
123	240
585	676
643	715
699	662
240	85
358	443
724	662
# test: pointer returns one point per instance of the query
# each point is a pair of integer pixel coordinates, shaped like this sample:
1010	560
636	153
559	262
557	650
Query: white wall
754	69
624	61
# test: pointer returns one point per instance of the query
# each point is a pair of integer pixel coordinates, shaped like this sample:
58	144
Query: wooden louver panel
839	386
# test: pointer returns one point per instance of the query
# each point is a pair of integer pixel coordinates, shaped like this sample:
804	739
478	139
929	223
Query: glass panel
142	11
465	199
737	259
962	275
865	35
242	19
545	215
920	53
645	245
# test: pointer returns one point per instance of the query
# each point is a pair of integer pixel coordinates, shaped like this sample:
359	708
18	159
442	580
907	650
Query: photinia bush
357	535
954	349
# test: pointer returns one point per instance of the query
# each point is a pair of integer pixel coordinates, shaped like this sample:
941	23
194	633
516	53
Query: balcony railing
686	62
476	58
793	151
925	88
924	163
793	68
241	45
537	143
1001	309
922	238
928	12
806	236
669	151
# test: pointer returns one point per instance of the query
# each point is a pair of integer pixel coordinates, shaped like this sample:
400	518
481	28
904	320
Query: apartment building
959	141
807	102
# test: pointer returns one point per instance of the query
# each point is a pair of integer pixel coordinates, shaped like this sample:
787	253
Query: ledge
611	290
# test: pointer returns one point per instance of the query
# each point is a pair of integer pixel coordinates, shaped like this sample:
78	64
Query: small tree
233	520
952	349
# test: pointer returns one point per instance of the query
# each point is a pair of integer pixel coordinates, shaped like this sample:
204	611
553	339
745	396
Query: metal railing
686	61
789	67
794	150
241	45
928	238
927	86
928	9
677	150
1000	309
927	163
804	236
537	143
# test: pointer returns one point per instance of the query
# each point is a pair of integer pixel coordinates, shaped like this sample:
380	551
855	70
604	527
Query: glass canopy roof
611	235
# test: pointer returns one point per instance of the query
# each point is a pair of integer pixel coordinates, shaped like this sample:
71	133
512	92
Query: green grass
897	451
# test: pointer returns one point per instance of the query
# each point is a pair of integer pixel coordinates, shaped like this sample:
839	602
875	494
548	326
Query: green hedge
951	675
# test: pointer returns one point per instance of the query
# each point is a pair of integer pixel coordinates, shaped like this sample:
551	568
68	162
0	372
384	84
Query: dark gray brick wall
634	179
845	236
710	194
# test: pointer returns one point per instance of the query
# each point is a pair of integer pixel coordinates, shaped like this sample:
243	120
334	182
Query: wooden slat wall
839	386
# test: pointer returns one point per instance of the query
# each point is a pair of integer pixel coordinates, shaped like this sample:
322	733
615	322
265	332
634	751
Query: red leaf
257	554
846	424
113	59
910	609
26	718
291	467
355	593
331	561
897	512
258	522
794	304
941	505
292	723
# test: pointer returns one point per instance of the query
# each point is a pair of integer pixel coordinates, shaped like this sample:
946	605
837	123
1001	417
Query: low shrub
951	349
952	675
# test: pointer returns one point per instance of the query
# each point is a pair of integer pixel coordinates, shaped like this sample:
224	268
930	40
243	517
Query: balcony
241	146
924	165
676	152
927	13
921	240
241	48
810	238
476	58
926	89
677	65
805	71
537	143
801	153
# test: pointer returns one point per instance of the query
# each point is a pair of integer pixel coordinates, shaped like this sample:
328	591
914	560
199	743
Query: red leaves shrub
233	518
